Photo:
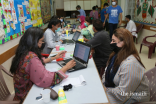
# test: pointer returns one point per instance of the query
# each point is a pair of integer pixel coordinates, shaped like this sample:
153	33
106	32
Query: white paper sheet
76	82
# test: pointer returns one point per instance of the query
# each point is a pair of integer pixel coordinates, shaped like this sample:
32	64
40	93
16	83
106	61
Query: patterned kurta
32	71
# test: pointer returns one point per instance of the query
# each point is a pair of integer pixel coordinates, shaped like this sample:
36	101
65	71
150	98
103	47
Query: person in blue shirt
82	12
103	15
114	12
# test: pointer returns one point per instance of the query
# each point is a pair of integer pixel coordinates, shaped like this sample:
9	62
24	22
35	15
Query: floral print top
32	71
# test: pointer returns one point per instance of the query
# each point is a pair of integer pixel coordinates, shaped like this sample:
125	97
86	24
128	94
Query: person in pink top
82	21
94	13
28	65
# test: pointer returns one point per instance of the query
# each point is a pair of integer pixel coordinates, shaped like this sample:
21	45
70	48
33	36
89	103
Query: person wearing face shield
124	76
51	37
113	12
82	12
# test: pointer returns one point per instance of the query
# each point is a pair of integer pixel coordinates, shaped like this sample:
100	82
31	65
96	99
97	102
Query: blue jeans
112	27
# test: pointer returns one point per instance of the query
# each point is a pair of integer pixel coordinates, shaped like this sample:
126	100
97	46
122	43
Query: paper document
76	82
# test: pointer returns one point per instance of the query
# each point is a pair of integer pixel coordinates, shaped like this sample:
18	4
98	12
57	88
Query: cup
46	95
64	55
57	47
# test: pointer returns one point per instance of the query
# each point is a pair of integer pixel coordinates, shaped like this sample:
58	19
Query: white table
92	92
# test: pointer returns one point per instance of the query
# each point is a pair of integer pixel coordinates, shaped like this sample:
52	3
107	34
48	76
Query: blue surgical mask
86	24
58	29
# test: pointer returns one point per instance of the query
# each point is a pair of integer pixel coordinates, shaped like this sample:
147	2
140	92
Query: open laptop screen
76	36
82	52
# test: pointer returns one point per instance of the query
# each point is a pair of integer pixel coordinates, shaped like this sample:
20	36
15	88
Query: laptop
75	38
81	56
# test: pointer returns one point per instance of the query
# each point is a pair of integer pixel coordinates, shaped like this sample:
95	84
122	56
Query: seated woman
94	13
51	37
28	65
87	32
124	76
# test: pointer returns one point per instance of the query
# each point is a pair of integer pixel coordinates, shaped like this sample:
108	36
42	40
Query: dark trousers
106	26
112	27
100	63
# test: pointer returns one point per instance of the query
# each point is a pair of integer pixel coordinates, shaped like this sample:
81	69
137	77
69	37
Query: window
130	8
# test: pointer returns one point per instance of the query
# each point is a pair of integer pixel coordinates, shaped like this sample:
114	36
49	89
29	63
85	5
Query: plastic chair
151	75
139	28
5	96
150	45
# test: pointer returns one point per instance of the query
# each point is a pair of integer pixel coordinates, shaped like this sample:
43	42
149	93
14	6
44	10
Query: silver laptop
74	39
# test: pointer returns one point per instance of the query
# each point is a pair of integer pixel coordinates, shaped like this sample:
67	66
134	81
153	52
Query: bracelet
50	59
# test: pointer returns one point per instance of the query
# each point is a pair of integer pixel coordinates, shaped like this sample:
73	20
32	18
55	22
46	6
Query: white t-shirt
132	27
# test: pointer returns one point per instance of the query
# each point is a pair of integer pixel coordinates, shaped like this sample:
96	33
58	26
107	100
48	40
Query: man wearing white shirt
131	26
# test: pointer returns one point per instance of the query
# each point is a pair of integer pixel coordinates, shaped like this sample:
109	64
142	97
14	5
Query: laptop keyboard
77	66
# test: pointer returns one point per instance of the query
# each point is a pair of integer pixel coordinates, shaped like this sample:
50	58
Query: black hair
55	17
88	19
106	4
78	6
98	24
94	8
54	22
128	16
28	42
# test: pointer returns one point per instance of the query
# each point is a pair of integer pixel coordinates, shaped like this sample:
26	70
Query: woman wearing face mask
28	65
50	36
94	13
125	73
87	32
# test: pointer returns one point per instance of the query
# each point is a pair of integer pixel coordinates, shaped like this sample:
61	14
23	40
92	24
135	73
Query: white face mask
113	3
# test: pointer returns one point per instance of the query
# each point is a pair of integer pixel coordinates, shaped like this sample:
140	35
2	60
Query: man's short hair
106	4
128	16
78	6
98	24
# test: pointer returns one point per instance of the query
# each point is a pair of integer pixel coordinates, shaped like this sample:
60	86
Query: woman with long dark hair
124	76
28	64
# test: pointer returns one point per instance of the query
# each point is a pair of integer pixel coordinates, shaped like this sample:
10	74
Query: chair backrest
139	28
151	75
4	92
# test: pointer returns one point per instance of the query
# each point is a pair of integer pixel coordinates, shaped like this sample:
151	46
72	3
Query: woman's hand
61	41
68	66
60	54
86	40
74	30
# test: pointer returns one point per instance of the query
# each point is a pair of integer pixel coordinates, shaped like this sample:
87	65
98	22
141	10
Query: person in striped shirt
124	76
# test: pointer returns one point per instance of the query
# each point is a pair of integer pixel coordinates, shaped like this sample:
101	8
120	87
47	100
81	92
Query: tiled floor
149	63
